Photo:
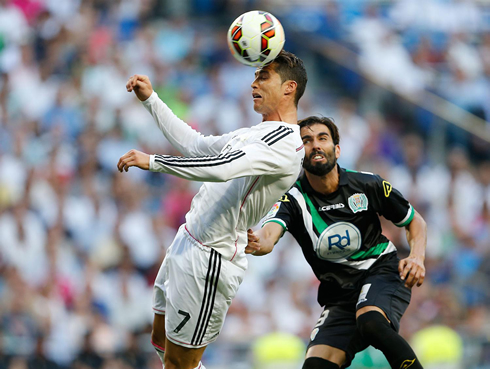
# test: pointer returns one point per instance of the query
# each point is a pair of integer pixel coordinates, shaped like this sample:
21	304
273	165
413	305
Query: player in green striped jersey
333	214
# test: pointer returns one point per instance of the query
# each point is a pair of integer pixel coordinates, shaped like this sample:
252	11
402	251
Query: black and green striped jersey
340	233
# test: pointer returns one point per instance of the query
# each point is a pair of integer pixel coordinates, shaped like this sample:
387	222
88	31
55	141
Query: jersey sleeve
185	139
391	204
254	159
283	213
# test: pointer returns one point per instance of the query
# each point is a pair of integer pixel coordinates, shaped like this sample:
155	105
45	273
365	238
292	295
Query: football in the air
255	38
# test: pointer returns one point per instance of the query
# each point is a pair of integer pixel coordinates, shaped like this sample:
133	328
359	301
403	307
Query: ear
337	151
290	87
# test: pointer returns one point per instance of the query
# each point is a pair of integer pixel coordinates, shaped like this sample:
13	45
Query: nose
254	84
316	145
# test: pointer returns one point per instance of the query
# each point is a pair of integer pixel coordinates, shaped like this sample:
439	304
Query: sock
319	363
377	331
160	351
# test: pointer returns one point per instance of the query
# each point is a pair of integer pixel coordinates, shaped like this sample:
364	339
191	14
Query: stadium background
80	244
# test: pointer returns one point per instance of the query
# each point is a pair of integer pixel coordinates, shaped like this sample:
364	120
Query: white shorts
193	289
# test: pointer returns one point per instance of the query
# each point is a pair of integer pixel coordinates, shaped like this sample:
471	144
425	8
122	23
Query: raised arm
263	241
185	139
412	268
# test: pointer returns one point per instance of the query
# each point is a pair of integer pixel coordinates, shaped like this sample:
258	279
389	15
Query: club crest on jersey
358	202
338	241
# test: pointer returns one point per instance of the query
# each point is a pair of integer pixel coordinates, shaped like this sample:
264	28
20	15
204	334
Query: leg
173	356
382	301
334	339
194	288
374	327
158	335
324	357
179	357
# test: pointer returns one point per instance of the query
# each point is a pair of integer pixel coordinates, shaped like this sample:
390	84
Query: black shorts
382	287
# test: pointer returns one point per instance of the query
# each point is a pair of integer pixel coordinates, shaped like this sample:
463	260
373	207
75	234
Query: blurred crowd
81	243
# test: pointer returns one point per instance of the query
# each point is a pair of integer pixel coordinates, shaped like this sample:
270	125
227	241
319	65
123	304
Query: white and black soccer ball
255	38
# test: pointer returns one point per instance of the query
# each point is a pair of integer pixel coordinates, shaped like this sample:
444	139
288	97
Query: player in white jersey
244	172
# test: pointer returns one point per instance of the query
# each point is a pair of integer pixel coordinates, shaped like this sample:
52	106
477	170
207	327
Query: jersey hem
188	345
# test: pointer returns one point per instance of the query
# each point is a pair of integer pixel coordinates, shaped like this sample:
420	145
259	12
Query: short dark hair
334	131
290	67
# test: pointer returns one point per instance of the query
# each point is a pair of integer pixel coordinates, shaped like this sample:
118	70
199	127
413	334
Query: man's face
321	153
267	90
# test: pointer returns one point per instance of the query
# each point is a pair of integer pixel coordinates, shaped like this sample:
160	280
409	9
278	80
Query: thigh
386	290
182	357
198	291
336	328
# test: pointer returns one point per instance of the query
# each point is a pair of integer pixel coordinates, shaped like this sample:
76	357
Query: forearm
185	139
266	246
417	236
268	236
219	168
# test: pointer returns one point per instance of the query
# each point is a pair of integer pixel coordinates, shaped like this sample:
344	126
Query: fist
134	158
141	86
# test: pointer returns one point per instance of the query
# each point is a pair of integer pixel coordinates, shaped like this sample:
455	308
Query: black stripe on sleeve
267	136
180	159
280	137
176	161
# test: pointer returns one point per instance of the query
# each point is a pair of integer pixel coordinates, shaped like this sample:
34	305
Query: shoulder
295	194
273	133
362	178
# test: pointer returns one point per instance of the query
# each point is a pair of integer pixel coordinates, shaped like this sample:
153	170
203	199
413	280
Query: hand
412	271
141	86
134	158
253	243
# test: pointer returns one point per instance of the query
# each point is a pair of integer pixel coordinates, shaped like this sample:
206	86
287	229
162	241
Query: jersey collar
305	185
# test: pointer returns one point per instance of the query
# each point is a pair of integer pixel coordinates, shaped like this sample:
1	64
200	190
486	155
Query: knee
180	363
319	363
372	325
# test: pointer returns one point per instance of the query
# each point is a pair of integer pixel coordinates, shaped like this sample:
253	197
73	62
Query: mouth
316	157
256	96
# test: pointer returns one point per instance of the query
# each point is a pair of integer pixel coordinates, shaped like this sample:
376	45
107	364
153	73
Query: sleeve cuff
152	163
278	221
408	218
150	100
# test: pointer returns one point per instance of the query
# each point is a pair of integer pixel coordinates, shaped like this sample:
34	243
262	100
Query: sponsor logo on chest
338	241
331	207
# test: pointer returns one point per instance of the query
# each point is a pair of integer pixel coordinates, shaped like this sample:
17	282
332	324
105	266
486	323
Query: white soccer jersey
244	173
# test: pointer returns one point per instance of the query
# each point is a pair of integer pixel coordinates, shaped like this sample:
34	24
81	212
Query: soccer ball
255	38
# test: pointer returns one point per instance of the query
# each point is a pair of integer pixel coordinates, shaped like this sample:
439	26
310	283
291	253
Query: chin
257	109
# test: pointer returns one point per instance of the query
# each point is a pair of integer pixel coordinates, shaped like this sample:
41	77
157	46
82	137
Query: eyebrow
261	72
319	134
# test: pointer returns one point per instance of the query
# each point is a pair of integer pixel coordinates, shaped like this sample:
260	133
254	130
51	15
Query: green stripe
410	218
351	171
373	251
318	221
280	222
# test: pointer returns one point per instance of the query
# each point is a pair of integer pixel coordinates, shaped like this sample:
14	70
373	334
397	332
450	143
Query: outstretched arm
185	139
252	160
412	268
263	241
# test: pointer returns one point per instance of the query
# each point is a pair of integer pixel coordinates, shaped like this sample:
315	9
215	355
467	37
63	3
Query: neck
325	184
287	115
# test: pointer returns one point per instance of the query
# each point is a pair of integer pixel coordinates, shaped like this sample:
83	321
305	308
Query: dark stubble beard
320	169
